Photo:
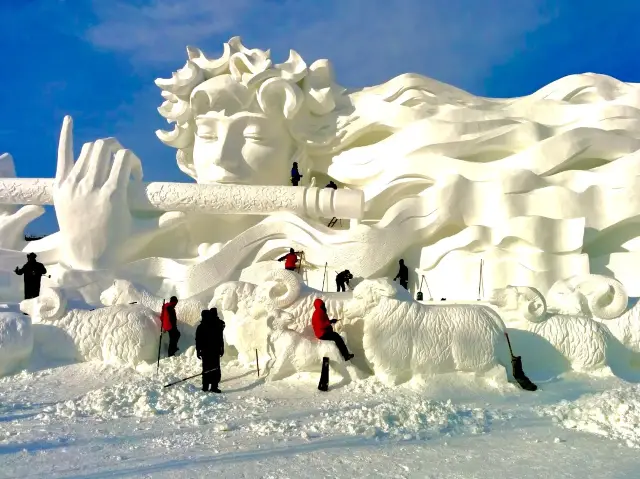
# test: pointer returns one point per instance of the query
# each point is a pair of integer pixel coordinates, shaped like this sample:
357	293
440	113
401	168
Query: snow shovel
323	385
518	373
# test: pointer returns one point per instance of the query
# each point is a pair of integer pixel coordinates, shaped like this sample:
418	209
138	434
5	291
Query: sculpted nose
224	153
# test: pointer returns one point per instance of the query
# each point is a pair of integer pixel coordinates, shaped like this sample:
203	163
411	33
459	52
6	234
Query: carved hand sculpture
97	228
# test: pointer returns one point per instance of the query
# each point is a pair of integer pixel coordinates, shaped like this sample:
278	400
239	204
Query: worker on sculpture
210	348
332	185
403	275
33	271
169	321
342	279
295	174
290	259
323	329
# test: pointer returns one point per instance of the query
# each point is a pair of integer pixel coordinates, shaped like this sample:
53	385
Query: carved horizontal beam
213	199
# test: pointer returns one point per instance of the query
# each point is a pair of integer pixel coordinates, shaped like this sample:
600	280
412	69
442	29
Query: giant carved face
235	141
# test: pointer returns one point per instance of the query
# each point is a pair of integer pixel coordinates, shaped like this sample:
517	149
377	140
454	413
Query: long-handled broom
518	373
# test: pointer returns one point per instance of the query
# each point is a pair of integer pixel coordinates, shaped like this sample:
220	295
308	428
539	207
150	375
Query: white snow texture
16	341
126	334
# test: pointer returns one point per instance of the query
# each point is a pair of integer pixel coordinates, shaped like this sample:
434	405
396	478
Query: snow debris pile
16	341
382	415
402	418
614	414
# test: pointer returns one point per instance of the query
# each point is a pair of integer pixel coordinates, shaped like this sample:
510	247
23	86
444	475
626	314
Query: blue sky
96	59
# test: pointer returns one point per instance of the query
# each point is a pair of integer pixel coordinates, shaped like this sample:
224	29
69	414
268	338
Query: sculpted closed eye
207	134
254	135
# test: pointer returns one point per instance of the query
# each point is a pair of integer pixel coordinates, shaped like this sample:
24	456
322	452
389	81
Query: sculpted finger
65	150
101	160
125	165
80	166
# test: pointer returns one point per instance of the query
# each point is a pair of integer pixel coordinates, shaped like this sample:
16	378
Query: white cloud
369	41
160	29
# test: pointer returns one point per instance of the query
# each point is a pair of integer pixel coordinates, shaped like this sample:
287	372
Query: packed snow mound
188	311
121	334
614	414
16	341
403	338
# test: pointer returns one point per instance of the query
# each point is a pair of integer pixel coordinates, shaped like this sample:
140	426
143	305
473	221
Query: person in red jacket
170	324
290	259
323	329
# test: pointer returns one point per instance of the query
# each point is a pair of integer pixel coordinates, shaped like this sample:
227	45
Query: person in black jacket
403	274
343	278
295	174
33	272
210	348
332	185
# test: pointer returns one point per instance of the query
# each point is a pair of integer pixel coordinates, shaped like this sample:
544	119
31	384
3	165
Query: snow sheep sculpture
568	323
16	342
188	310
250	311
299	352
122	334
403	338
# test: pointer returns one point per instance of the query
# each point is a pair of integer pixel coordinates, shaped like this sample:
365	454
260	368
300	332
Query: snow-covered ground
88	420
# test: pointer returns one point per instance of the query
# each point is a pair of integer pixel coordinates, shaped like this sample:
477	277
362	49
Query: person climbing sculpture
33	271
295	174
332	185
323	330
170	324
342	279
210	348
403	275
290	259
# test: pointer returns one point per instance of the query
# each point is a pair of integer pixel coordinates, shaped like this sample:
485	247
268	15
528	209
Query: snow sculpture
188	310
297	352
570	328
16	342
274	318
404	339
122	334
535	186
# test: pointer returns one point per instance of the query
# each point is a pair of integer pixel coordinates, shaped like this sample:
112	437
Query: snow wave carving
16	342
403	338
121	334
188	310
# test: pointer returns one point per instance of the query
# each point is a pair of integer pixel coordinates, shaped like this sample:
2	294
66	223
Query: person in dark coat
342	279
323	330
290	259
210	348
403	274
169	309
295	174
332	185
33	272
